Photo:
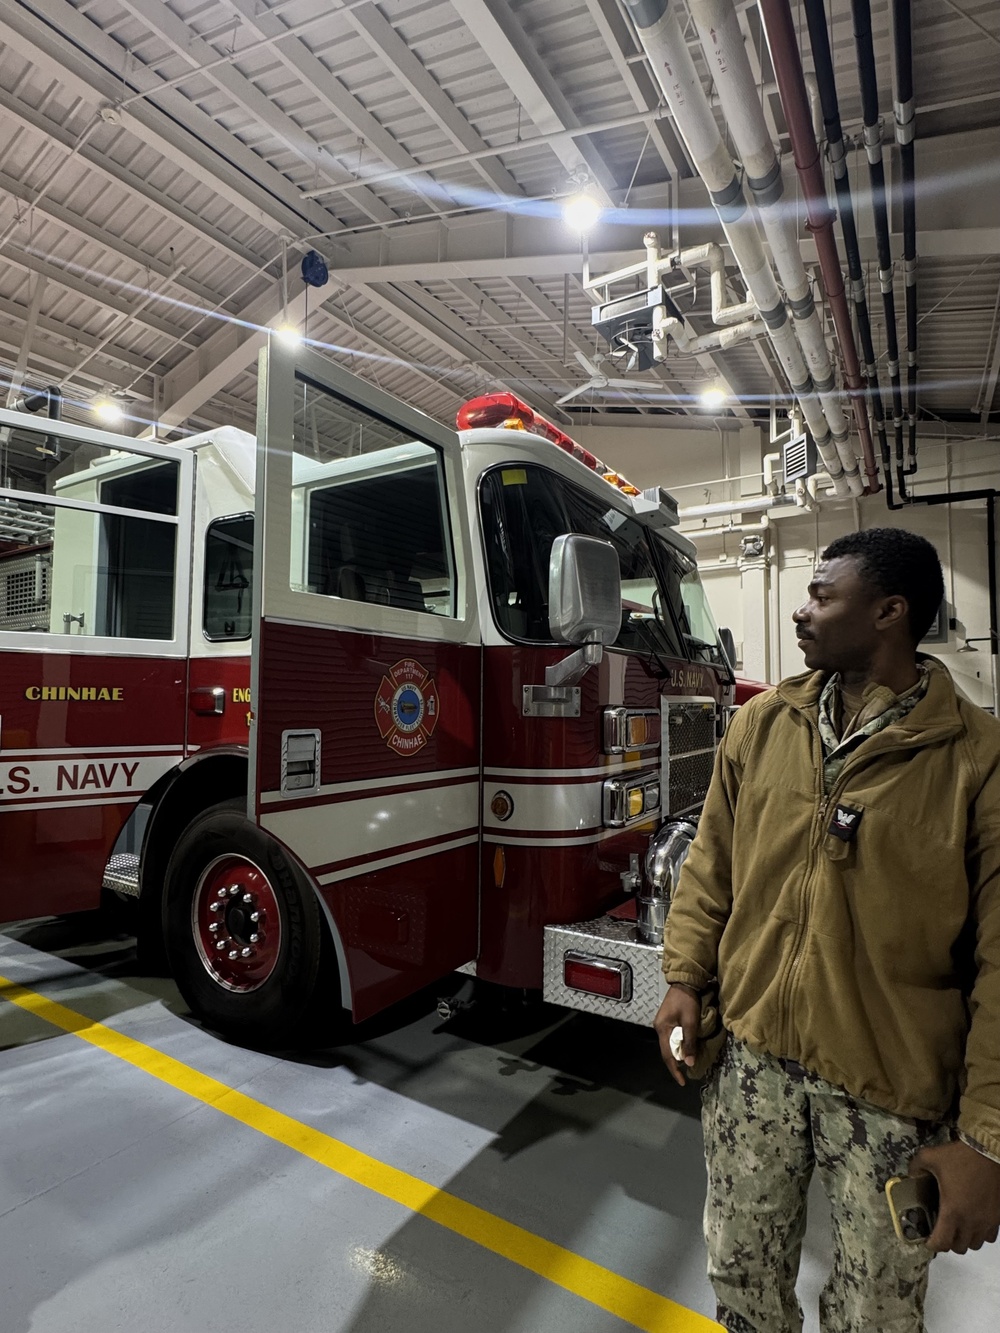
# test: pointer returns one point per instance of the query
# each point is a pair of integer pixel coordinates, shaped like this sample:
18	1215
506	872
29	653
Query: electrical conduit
823	60
905	114
862	14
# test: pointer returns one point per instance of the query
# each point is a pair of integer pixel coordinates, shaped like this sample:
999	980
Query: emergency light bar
510	413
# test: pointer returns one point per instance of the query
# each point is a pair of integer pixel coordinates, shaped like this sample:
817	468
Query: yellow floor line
635	1304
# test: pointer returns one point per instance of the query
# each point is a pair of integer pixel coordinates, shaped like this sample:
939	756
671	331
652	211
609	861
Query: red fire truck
354	704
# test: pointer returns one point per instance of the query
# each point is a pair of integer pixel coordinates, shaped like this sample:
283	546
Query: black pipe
990	496
905	115
49	398
823	62
862	15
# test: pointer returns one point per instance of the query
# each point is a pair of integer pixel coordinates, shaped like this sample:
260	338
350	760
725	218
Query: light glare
289	335
582	212
712	397
108	411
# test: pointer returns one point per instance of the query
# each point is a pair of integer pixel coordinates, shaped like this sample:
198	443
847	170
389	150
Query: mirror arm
571	670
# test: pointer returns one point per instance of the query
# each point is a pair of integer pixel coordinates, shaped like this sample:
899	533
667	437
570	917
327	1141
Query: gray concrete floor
126	1205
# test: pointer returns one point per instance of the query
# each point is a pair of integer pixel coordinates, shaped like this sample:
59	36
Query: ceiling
163	164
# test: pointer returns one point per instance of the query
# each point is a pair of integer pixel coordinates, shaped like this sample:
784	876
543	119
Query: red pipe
780	33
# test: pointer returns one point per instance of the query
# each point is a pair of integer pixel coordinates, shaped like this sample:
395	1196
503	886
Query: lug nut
214	926
233	890
254	938
245	953
221	893
254	916
221	944
215	907
231	954
248	898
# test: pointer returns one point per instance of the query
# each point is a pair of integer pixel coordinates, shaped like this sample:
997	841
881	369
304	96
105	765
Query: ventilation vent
798	457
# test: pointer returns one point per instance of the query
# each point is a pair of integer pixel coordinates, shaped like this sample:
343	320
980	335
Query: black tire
223	869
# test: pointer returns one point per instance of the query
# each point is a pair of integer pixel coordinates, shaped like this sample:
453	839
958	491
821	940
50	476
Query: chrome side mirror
585	590
585	607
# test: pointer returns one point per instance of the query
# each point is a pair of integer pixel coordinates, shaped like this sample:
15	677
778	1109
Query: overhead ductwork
670	61
780	33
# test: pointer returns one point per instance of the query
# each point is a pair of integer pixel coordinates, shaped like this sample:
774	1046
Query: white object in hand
677	1043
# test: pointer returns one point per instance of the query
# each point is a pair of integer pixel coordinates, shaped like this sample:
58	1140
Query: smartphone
913	1205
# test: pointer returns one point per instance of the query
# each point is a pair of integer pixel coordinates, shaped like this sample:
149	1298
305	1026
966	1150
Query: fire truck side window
228	589
524	509
369	509
88	539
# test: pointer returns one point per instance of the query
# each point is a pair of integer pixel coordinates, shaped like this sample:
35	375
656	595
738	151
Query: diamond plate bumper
121	874
615	941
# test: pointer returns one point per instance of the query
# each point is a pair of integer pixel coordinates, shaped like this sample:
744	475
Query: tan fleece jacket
874	962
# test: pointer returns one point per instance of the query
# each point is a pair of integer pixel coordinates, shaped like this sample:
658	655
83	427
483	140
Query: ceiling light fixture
582	212
713	397
108	411
289	335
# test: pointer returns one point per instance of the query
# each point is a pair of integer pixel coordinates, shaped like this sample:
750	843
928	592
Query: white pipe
817	480
709	255
671	64
722	42
769	482
760	527
754	504
666	326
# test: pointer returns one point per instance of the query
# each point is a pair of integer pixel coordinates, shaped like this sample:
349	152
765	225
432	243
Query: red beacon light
509	413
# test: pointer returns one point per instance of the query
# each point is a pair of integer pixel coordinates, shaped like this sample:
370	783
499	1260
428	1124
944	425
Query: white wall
756	598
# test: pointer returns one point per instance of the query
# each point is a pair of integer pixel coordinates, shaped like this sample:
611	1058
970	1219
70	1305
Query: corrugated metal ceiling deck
154	155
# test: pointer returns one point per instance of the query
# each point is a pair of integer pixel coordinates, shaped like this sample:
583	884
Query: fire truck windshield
524	509
689	605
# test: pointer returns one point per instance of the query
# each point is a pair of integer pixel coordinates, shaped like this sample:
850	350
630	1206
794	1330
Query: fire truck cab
352	704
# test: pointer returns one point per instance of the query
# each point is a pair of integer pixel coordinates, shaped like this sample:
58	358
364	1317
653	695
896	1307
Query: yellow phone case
913	1206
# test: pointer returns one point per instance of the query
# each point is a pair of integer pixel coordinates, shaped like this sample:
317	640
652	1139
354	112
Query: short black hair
893	561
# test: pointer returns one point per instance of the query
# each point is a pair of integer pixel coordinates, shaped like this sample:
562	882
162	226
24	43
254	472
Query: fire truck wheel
244	934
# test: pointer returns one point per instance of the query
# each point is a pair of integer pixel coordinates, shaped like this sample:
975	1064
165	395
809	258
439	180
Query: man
843	895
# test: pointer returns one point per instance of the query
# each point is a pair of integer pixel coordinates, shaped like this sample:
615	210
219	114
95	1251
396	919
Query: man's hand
681	1008
969	1184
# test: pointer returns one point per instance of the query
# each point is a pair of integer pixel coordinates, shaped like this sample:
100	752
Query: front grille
689	778
690	727
688	754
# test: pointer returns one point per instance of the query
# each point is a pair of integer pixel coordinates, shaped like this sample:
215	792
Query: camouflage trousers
768	1125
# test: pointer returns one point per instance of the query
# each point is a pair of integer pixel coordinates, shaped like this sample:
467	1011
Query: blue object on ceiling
314	270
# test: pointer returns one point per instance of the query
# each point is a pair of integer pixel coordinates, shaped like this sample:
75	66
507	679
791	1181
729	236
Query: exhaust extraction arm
780	34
